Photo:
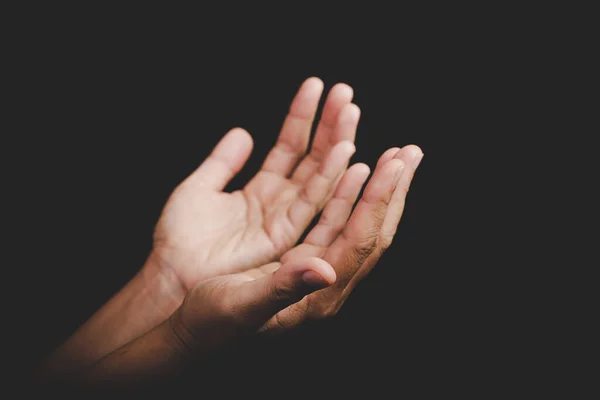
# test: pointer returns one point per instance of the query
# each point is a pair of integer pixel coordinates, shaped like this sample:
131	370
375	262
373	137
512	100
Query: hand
313	279
204	232
352	246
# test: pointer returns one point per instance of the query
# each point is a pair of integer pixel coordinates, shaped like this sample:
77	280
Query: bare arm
215	312
274	296
148	299
153	357
201	223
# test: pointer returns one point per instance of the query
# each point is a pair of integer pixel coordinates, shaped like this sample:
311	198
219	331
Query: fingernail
314	279
417	161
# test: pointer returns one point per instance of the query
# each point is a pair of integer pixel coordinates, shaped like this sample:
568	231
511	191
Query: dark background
115	107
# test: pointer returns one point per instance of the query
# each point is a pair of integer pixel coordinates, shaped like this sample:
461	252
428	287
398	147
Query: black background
115	107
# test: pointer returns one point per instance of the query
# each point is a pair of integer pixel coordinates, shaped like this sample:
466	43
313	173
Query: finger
338	98
334	215
344	129
338	209
312	196
411	157
388	155
260	299
359	238
226	160
295	132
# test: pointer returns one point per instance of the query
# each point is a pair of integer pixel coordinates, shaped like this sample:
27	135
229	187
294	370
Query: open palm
204	232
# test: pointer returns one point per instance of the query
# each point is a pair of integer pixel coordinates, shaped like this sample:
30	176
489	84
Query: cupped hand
205	232
352	240
314	278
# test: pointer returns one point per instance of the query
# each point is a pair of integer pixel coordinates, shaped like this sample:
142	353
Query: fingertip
240	133
320	267
313	82
362	170
412	150
388	155
352	181
343	90
412	155
313	79
395	164
417	161
235	142
349	113
239	138
307	98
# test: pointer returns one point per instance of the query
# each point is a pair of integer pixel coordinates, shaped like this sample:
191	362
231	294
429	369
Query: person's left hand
352	241
205	232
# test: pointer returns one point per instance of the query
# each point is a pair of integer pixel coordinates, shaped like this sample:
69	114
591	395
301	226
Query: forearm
142	304
153	357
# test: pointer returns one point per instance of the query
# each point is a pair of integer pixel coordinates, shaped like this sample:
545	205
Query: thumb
262	298
226	160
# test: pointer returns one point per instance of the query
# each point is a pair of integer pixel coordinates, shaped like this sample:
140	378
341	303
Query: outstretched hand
205	232
314	278
231	256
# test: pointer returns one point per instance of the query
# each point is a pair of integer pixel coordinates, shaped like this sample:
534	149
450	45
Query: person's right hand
313	279
204	231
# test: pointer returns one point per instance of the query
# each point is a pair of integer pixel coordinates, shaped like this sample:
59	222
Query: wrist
162	286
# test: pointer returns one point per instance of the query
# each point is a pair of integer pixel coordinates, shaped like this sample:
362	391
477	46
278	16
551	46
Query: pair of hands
233	254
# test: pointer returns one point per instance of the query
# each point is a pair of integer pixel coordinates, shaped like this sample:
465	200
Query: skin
205	232
312	281
226	262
